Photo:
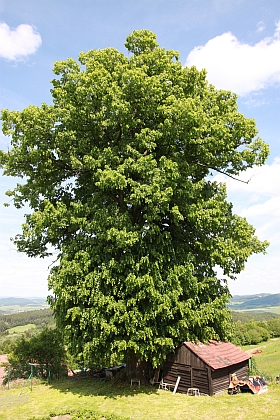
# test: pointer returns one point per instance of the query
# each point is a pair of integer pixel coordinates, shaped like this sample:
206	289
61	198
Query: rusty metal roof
218	355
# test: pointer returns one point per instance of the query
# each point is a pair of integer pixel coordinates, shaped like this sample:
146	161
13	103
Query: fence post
9	376
31	376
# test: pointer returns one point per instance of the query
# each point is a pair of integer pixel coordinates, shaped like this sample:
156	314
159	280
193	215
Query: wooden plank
176	385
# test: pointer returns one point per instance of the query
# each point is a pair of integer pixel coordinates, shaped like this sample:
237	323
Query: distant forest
249	327
39	317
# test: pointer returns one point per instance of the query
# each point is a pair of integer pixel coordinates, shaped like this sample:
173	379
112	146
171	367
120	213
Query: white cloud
20	275
263	181
260	26
261	275
23	276
269	208
236	66
259	202
19	42
255	99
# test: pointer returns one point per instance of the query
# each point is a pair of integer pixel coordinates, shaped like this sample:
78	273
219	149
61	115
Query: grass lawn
268	361
132	403
115	401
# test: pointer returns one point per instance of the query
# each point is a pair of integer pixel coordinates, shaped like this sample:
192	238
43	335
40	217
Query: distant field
21	329
272	309
263	302
14	309
275	309
11	305
260	302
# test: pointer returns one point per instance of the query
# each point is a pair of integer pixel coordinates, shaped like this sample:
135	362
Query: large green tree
117	174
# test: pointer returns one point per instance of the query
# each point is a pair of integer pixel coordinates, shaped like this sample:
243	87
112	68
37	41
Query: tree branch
223	173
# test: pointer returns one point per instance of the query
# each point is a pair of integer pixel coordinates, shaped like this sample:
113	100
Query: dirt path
3	358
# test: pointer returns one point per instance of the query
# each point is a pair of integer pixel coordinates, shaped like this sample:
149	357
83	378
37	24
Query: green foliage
255	332
245	316
93	415
273	326
82	415
116	173
45	350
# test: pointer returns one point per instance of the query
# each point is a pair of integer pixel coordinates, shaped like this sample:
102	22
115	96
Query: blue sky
237	41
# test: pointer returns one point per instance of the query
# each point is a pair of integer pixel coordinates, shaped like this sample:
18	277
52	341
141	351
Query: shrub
45	350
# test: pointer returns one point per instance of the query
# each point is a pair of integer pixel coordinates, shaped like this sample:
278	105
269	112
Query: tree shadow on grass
107	388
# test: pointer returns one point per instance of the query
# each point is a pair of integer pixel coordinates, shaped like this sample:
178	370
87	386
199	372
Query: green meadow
21	329
271	309
110	400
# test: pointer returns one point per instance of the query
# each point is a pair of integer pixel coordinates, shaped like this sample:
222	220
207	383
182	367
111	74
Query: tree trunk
139	369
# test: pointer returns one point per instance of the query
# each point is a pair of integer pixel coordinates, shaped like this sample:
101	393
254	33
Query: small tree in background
274	327
45	350
117	175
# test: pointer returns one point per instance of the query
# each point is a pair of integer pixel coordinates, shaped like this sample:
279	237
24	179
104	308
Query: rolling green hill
39	317
11	305
259	301
11	301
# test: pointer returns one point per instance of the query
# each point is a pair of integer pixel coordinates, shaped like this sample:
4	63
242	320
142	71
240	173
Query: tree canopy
117	175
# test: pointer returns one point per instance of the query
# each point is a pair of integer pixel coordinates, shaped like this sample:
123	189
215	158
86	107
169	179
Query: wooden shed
205	366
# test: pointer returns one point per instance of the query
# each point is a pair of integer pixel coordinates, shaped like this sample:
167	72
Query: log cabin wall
221	377
190	377
195	373
186	357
